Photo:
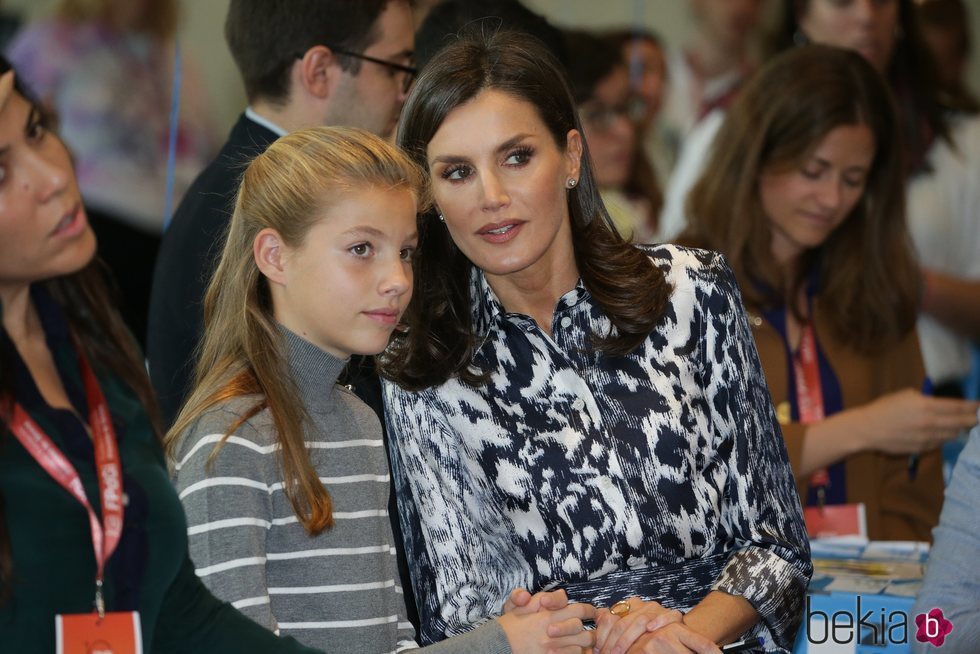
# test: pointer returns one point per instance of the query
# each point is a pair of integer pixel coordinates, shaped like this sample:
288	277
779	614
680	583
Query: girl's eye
407	254
810	173
456	173
3	173
854	182
519	157
360	250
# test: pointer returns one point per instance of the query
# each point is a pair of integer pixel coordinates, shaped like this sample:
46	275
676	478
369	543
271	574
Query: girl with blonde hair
317	266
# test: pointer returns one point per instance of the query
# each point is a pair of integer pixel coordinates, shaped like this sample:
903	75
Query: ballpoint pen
743	645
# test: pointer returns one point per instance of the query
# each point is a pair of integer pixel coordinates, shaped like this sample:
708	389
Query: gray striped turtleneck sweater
338	591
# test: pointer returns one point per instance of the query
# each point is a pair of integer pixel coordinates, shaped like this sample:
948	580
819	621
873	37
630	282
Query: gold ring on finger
620	609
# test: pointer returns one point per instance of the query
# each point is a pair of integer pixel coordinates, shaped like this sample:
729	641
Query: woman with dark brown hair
803	195
93	541
567	409
940	166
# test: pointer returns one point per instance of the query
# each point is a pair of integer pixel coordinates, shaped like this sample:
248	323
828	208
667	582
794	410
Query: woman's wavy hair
243	353
89	305
866	267
439	342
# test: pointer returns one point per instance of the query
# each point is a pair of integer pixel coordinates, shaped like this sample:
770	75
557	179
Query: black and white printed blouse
660	474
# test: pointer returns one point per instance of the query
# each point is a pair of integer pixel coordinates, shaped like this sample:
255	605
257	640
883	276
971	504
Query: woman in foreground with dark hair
803	195
81	464
566	409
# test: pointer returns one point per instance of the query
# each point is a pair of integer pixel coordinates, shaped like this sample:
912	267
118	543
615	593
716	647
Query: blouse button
578	404
566	322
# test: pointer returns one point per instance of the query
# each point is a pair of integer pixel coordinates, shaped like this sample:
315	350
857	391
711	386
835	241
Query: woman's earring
442	218
571	182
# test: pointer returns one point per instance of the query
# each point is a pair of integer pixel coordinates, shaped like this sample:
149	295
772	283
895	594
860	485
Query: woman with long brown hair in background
940	162
803	195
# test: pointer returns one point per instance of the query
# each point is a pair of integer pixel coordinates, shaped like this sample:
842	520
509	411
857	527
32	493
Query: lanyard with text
105	536
809	396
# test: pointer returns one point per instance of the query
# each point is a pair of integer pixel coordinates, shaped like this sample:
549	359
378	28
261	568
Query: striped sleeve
229	512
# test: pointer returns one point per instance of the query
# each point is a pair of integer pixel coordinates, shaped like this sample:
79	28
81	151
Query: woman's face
608	130
865	26
805	204
500	181
44	231
649	69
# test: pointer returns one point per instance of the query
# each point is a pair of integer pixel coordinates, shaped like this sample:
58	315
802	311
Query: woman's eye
810	173
456	173
35	132
519	157
407	254
360	250
854	182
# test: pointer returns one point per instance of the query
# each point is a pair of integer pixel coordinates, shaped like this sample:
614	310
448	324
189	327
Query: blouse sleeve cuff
774	586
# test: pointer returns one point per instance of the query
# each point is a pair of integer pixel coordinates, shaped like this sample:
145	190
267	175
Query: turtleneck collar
314	371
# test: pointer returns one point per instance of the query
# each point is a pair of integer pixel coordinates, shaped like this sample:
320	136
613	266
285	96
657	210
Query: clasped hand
647	628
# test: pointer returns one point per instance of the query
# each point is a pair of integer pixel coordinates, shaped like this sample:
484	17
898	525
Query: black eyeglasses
409	71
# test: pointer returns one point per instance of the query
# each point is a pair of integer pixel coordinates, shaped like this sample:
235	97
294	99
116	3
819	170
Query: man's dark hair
265	37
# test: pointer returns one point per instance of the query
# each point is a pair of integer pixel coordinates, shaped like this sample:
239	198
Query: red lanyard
105	536
809	396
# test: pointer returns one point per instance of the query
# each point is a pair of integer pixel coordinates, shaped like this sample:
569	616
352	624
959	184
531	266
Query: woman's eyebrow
503	147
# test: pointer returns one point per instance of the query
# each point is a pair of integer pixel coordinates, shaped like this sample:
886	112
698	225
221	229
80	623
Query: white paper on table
907	550
859	585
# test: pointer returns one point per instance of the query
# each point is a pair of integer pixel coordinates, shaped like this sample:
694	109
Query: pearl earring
442	218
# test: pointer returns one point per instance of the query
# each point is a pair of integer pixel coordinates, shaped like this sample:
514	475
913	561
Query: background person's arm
952	579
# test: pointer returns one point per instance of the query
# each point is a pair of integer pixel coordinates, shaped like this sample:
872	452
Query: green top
53	561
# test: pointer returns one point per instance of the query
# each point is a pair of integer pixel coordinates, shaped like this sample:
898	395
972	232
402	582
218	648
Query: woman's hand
616	633
559	631
908	422
674	638
523	602
904	422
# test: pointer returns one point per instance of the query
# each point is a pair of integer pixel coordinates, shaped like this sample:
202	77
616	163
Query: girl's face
806	204
865	26
608	130
500	181
346	286
44	231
